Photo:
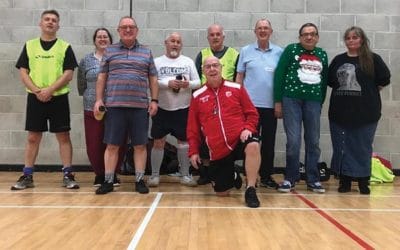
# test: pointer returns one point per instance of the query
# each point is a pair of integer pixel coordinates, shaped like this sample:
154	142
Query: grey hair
219	26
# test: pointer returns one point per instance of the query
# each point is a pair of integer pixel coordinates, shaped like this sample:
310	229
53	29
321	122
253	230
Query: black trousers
267	127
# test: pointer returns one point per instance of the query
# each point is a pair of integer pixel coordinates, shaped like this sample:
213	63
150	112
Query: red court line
337	224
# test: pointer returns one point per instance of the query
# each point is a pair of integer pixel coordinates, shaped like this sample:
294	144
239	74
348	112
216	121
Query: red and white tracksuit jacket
220	115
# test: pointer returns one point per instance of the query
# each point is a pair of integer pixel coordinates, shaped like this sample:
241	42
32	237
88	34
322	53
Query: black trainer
141	187
363	183
24	181
344	184
98	180
105	188
117	181
238	180
69	181
204	178
251	198
268	182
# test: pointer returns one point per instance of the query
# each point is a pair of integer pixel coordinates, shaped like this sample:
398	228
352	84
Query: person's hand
184	83
45	94
174	84
153	108
278	110
245	135
96	107
195	161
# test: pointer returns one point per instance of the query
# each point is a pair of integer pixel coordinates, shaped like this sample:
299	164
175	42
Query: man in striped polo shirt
127	72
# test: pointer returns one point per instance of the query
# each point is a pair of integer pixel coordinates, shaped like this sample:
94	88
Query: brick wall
19	21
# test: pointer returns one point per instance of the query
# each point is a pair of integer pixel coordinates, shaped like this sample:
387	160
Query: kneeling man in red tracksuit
223	113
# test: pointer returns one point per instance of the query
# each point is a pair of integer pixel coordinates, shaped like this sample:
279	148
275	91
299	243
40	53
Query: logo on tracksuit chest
204	99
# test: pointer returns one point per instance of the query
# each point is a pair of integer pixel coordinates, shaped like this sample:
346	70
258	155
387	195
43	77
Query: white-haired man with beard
177	77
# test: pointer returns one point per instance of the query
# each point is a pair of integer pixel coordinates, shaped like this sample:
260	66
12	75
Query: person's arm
153	106
198	64
279	75
193	134
23	67
331	82
46	94
250	113
100	88
166	83
194	81
241	66
324	77
27	81
235	71
81	77
240	77
382	72
279	78
69	65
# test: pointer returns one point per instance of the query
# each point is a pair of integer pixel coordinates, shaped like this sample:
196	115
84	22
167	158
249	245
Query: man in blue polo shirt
256	67
127	73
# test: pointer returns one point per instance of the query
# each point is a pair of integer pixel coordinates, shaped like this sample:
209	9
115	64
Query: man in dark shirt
46	66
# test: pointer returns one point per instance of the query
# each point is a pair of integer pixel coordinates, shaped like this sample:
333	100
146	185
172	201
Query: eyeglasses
126	27
213	65
312	34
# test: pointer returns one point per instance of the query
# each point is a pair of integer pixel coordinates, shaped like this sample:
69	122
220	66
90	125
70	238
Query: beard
174	53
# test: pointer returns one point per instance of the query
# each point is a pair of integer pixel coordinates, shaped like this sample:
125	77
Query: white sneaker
153	181
188	180
176	174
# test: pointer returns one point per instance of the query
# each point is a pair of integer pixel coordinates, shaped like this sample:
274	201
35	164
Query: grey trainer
188	180
153	181
69	182
24	181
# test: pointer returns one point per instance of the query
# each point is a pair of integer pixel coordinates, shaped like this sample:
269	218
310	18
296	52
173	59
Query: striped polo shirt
128	71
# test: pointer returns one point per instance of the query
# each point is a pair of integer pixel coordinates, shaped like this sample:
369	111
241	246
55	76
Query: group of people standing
220	108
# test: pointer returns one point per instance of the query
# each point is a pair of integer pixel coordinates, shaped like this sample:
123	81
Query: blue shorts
54	113
121	123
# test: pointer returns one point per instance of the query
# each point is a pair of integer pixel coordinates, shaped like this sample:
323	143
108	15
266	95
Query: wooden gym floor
177	217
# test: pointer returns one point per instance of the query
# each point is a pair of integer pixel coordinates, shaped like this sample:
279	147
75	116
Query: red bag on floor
385	162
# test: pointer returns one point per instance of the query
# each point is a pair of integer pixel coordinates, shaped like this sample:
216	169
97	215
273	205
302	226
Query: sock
67	170
109	177
183	159
139	175
157	156
28	170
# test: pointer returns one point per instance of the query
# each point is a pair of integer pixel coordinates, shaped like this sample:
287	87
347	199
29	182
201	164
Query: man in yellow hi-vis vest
46	66
228	58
